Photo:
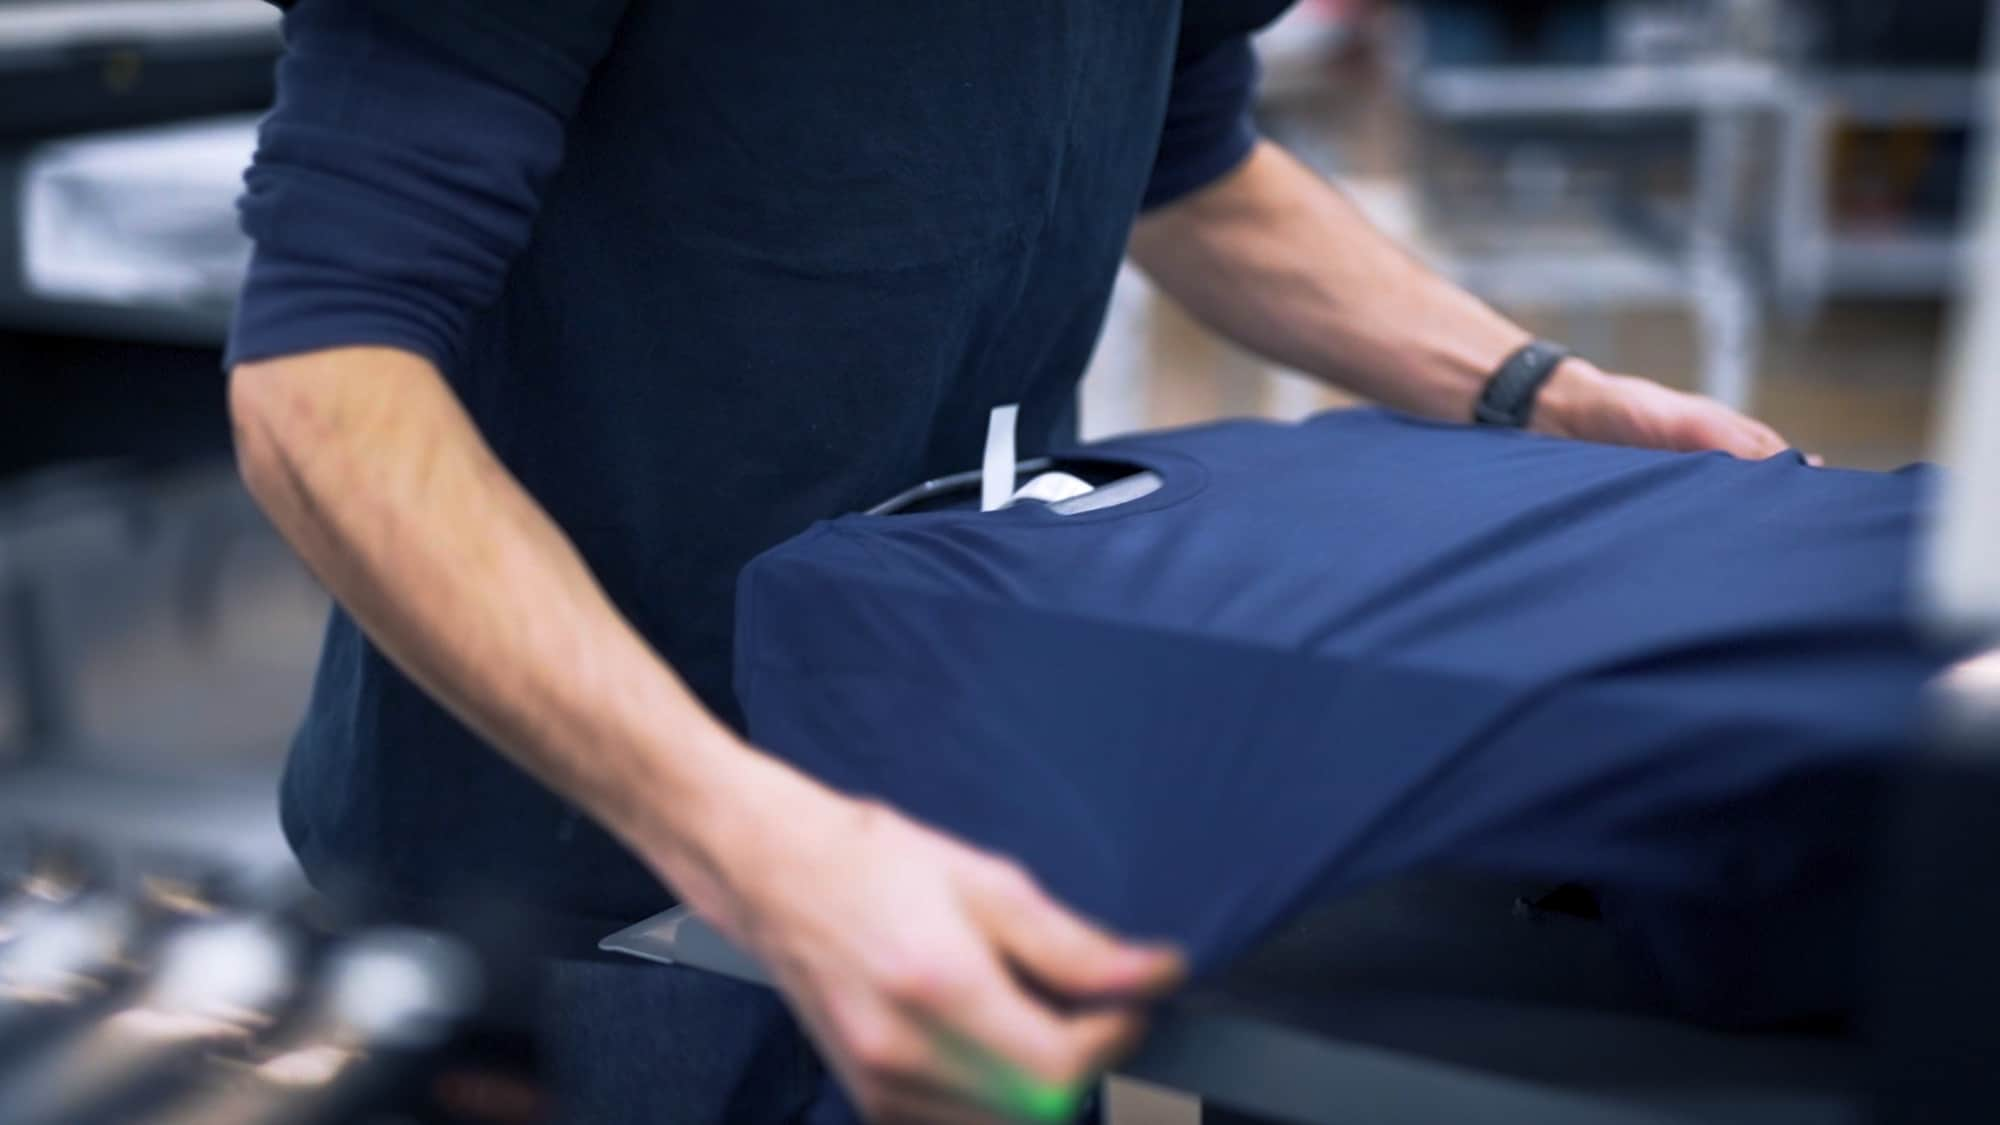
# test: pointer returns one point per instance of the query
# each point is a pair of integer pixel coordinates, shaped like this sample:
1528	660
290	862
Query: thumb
1066	955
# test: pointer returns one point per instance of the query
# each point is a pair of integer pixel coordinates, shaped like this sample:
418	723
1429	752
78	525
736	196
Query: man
562	312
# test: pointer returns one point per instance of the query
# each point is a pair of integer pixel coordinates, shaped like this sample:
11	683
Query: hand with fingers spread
1581	401
940	982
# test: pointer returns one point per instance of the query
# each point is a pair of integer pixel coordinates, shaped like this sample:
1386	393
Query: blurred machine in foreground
154	990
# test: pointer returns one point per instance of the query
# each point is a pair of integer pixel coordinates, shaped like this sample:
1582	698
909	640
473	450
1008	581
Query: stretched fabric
1328	653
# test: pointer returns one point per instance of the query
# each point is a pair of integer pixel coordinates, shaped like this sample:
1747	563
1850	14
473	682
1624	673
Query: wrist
1572	399
678	823
708	841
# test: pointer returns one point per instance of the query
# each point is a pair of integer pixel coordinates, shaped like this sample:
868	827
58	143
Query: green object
1038	1101
1023	1097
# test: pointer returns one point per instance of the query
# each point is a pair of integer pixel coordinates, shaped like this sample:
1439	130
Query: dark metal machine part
1130	481
140	988
945	488
1932	1012
80	65
1433	999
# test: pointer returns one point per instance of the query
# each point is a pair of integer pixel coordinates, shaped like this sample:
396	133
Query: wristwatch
1509	396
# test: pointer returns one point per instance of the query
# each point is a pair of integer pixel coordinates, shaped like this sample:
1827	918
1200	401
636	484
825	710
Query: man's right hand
940	982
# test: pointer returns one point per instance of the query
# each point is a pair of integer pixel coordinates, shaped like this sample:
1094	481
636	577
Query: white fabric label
1052	488
996	473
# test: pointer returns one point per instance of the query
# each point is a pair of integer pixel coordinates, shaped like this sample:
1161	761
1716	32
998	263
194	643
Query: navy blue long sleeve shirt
701	274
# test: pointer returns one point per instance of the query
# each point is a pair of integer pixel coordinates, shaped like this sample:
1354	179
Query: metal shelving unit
1736	85
1812	258
1705	272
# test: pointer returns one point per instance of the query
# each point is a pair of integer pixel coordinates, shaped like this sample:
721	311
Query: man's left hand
1580	401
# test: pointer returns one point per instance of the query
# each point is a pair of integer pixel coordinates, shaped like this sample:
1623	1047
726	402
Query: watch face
1509	397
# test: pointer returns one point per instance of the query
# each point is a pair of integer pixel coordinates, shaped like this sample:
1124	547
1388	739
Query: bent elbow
264	420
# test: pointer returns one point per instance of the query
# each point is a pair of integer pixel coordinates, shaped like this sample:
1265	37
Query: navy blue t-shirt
702	274
1322	655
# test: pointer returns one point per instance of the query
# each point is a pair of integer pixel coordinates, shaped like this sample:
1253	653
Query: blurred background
1764	199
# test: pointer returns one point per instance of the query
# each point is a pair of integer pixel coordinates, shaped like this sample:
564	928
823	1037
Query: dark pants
644	1043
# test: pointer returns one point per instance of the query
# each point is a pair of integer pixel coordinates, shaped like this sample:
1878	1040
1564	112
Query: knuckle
1009	879
865	1036
876	1048
884	1050
921	981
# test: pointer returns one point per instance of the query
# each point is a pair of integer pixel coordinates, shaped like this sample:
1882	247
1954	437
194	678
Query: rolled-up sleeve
400	170
1208	129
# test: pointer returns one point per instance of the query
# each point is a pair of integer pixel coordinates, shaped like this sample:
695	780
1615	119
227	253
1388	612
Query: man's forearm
371	468
1279	260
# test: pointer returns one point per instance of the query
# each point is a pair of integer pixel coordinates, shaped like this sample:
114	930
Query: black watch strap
1509	397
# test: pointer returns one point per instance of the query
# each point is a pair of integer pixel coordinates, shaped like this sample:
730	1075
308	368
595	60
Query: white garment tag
996	473
1052	488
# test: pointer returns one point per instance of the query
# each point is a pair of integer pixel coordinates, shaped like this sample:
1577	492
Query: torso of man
793	255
